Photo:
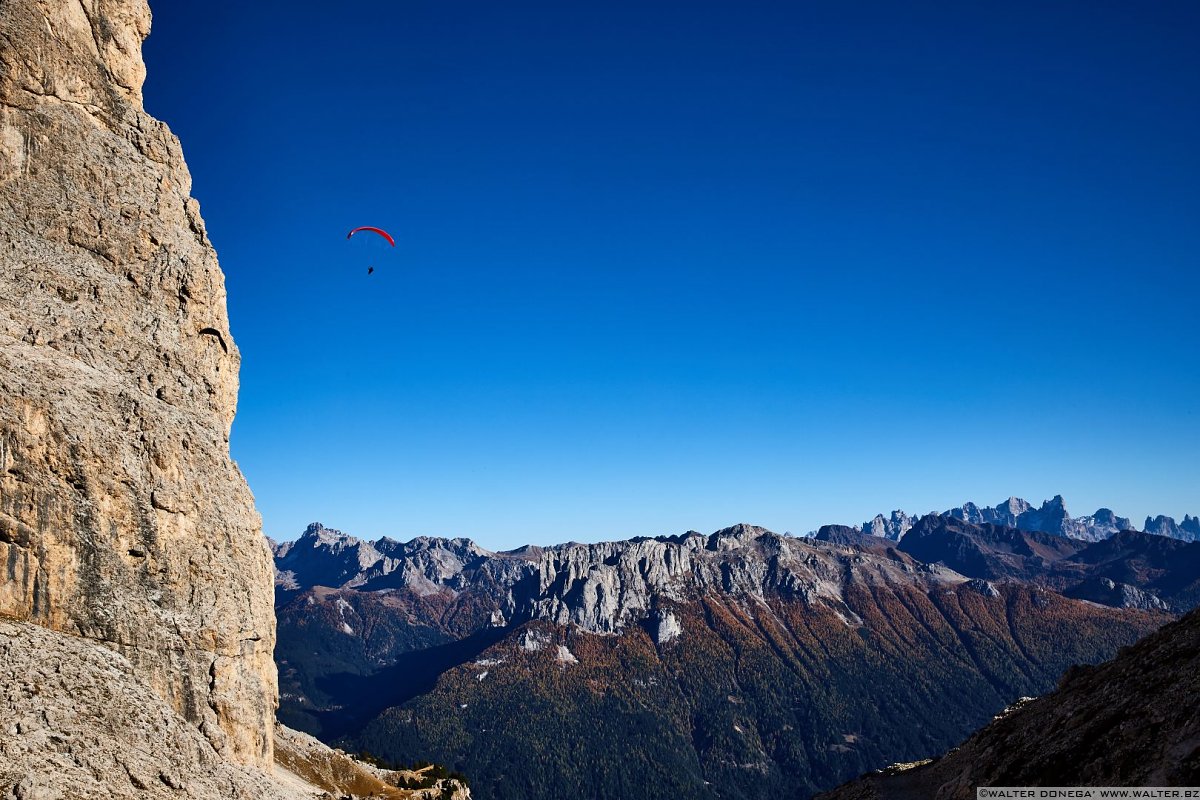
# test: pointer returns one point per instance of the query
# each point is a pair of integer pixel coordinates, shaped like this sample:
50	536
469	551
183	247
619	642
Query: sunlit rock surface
122	518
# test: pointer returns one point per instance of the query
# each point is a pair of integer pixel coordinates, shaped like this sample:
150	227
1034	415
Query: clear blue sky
668	265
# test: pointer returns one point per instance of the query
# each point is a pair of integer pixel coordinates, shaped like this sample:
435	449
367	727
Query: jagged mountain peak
1050	517
893	526
1163	525
603	586
1016	506
318	531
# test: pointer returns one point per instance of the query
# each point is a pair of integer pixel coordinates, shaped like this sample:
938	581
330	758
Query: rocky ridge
1126	570
1051	517
342	776
603	587
741	663
606	586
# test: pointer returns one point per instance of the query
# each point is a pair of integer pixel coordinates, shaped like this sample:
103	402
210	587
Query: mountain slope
737	664
1132	721
746	700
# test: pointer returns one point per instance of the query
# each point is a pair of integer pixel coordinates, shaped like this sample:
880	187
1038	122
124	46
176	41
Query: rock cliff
601	588
122	518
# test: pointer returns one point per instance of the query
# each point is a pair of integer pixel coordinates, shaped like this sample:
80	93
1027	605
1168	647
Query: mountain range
1050	517
741	663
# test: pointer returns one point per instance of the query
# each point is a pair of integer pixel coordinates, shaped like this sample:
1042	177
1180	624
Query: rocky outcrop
1129	722
1108	592
79	722
1188	530
891	527
340	775
122	518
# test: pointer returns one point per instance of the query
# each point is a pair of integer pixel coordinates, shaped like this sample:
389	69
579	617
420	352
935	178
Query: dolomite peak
123	519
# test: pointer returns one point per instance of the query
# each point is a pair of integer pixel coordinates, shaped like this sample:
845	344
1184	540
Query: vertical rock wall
122	517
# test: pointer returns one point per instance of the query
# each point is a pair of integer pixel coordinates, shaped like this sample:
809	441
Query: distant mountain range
1051	517
1127	570
742	663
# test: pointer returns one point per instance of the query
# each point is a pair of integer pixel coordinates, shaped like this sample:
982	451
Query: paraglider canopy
380	231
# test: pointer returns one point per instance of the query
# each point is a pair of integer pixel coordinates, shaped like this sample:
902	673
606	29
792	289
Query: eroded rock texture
122	517
78	723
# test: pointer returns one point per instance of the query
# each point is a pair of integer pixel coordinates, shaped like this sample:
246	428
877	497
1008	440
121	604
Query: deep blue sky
664	266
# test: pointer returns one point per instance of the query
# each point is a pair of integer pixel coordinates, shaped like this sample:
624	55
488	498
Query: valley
742	663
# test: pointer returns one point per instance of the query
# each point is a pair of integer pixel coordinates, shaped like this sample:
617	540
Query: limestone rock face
78	723
122	517
893	527
603	587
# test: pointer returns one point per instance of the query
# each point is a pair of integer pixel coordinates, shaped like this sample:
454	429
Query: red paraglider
380	231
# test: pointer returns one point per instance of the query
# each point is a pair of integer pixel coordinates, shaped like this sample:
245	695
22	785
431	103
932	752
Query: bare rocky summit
602	587
122	517
1051	517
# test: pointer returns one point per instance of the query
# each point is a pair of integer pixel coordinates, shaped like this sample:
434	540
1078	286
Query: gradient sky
665	266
